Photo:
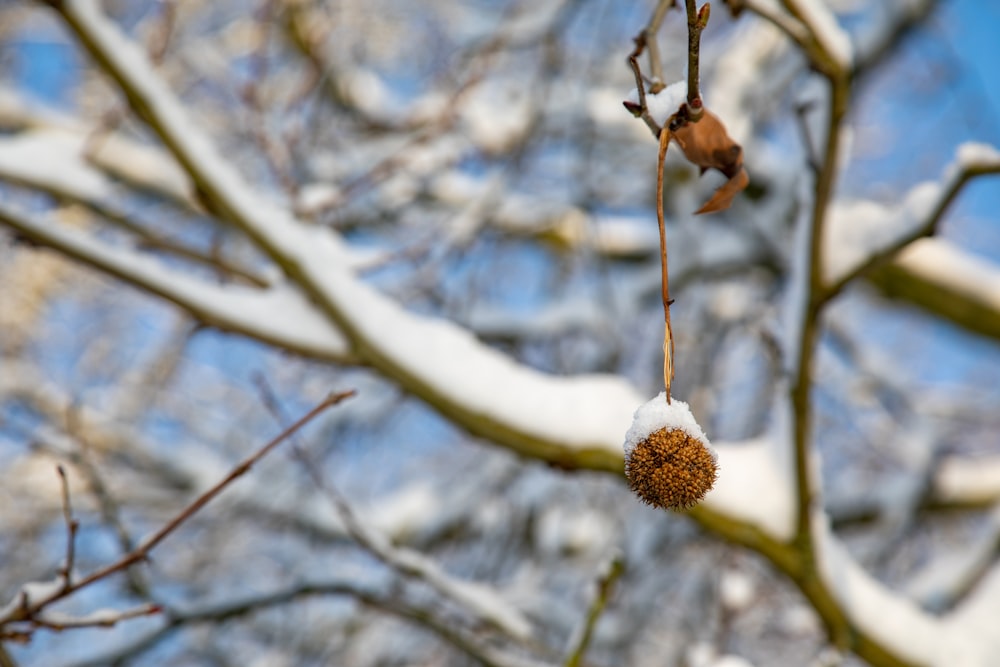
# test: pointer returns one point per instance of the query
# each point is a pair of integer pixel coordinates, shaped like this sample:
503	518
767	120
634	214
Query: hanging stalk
668	337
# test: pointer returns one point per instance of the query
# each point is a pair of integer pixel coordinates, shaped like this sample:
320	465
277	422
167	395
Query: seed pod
671	469
669	462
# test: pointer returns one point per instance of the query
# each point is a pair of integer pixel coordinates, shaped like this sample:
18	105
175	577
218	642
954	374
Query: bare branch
30	607
72	526
668	336
605	583
419	614
642	109
697	19
407	562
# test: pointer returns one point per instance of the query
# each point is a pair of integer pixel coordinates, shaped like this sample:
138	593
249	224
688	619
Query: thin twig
6	660
108	506
29	610
649	35
72	526
642	110
801	113
668	337
611	574
697	19
61	622
420	614
405	562
240	470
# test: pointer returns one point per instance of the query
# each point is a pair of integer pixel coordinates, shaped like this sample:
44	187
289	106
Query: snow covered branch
279	314
588	413
862	235
479	601
389	603
833	54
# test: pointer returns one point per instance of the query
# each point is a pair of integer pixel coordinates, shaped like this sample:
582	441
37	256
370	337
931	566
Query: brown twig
668	337
649	35
72	526
690	112
605	583
697	20
641	110
29	610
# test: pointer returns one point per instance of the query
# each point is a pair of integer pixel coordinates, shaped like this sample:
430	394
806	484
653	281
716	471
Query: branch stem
668	337
697	19
31	609
649	35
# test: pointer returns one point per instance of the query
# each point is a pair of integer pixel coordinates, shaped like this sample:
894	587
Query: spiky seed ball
671	469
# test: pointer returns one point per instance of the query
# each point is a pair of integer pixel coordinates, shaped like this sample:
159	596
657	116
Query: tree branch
668	336
237	308
605	583
697	19
29	607
973	161
220	612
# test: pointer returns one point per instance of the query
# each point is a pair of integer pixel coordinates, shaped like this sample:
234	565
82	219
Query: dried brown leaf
706	143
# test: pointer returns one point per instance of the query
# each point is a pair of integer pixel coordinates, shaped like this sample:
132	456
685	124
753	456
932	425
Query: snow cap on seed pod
669	462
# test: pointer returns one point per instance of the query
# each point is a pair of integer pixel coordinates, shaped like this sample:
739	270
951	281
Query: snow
665	103
367	91
975	155
572	314
965	637
798	620
60	155
752	487
96	617
968	480
497	114
736	76
703	654
736	590
603	105
35	591
315	197
973	624
622	235
823	24
857	231
144	166
656	414
447	366
52	159
482	600
529	23
406	511
890	619
560	531
943	263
